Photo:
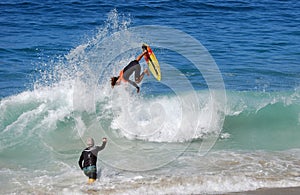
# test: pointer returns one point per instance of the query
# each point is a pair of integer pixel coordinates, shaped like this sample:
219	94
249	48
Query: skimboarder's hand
144	47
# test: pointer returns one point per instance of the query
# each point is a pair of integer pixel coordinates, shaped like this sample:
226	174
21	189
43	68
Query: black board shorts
90	171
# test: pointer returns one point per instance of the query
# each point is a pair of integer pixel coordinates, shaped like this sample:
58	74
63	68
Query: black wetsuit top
89	156
131	64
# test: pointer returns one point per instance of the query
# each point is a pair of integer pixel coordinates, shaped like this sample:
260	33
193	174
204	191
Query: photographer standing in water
89	159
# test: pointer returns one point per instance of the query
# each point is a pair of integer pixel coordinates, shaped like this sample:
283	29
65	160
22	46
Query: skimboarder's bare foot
147	72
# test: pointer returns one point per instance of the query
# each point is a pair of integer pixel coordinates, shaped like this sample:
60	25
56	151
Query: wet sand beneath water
270	191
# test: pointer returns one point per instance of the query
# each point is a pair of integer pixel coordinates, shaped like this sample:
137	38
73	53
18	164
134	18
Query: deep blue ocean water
254	43
55	65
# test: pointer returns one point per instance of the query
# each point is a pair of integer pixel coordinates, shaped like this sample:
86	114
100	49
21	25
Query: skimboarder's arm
80	161
141	55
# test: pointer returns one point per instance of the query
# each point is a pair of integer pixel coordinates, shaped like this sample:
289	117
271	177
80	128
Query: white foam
164	118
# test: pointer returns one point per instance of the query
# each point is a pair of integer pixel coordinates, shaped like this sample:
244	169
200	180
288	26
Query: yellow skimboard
152	62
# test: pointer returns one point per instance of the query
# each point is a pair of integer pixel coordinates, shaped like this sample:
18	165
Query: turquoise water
224	118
